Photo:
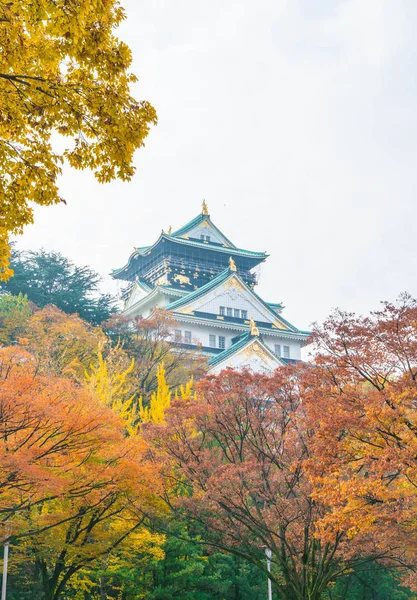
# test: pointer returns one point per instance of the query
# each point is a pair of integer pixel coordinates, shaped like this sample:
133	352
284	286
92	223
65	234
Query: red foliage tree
150	343
234	460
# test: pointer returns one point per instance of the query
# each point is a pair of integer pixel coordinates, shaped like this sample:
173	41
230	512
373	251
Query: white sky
296	121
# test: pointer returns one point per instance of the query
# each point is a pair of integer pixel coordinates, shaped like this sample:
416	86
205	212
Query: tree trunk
102	588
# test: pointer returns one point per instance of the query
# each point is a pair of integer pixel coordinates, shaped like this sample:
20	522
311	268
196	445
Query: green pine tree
50	278
371	582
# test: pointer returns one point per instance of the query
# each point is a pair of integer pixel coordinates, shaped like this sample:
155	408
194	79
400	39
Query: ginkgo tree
62	71
160	401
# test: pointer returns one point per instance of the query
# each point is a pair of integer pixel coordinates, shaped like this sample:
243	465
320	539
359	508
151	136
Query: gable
137	293
253	356
142	301
202	226
208	230
234	294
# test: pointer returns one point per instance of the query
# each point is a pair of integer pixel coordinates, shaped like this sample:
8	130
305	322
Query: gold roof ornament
204	208
253	329
232	265
170	230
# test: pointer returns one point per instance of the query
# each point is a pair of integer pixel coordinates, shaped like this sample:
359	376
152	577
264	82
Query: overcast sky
296	121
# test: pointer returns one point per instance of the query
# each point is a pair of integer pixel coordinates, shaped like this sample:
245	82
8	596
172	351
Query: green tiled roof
222	276
176	291
143	285
231	251
194	243
241	343
275	305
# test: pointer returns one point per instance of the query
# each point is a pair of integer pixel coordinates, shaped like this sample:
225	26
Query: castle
208	285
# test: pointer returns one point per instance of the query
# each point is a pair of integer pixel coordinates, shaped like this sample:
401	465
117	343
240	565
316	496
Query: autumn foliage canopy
103	452
316	463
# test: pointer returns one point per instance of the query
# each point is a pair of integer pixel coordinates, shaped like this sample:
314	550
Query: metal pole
5	562
268	553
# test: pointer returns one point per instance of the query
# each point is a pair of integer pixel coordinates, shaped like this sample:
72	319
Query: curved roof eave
302	337
158	289
170	237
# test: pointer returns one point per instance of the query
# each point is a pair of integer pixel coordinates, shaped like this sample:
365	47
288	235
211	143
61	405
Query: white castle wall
200	334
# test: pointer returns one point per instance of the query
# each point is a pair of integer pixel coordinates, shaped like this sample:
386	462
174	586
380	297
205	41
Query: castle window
222	342
244	314
236	313
286	352
229	312
187	337
278	349
178	335
212	341
222	310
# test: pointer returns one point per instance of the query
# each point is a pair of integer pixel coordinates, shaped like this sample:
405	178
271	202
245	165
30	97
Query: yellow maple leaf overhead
62	70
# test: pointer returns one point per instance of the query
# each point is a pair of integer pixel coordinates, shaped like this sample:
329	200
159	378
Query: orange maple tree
62	344
362	404
47	428
72	484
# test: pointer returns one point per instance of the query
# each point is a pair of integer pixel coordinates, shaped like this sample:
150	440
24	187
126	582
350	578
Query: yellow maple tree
62	71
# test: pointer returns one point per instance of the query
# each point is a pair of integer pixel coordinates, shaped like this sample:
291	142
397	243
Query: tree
110	381
14	315
234	461
161	399
73	486
149	342
98	535
362	405
50	278
370	583
63	345
190	570
62	70
48	427
185	569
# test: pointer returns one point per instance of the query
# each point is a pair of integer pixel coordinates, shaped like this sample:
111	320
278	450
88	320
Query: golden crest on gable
234	283
256	349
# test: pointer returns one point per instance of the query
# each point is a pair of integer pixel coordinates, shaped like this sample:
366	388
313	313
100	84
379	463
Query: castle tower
207	283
